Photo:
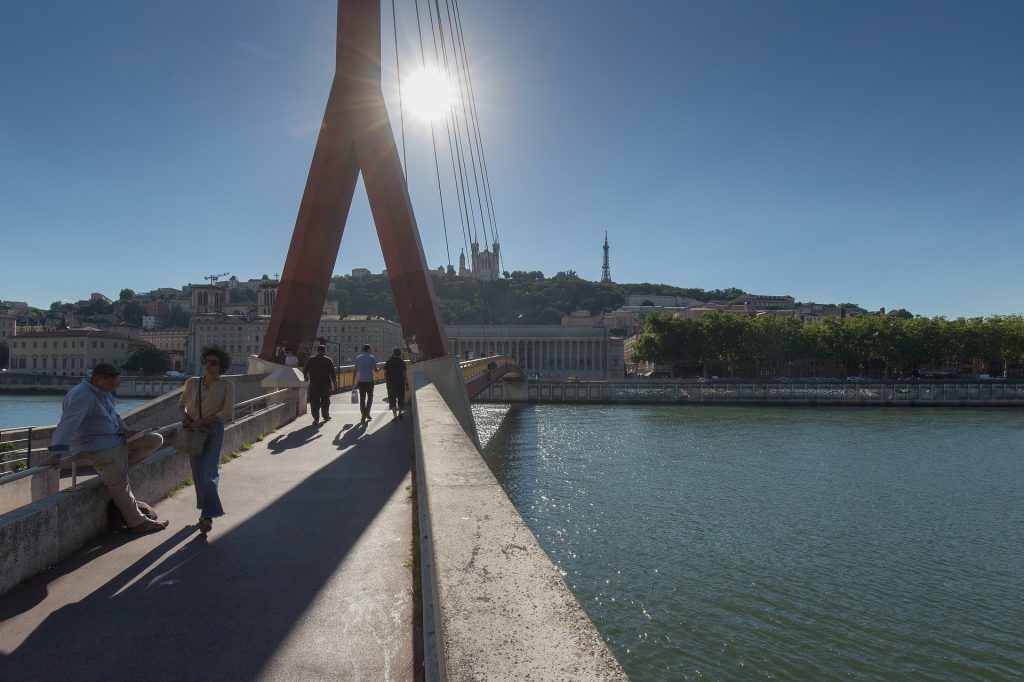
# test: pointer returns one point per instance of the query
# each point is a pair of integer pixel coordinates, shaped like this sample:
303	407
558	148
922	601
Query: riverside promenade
308	576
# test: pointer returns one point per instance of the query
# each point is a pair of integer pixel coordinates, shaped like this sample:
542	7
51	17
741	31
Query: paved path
308	577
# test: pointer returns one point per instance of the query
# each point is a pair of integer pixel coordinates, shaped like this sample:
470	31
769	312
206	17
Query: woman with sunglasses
208	402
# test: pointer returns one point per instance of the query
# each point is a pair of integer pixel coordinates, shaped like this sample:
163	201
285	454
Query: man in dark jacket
319	372
395	378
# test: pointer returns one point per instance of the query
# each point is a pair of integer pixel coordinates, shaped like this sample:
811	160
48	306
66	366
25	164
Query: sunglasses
211	362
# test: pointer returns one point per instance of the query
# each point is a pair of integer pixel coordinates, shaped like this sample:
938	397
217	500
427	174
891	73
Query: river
44	410
793	543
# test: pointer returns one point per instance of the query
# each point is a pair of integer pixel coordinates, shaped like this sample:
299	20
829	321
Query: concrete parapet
446	377
495	607
41	533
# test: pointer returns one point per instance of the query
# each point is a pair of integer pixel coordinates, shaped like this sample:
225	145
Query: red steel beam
356	135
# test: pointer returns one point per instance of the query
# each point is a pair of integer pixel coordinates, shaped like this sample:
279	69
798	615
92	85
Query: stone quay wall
889	393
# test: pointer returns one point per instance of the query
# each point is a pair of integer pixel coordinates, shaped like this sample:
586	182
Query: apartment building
242	336
68	352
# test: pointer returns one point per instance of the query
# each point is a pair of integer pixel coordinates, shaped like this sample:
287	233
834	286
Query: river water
791	543
44	410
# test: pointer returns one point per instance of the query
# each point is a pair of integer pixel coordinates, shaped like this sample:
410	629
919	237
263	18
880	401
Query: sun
427	95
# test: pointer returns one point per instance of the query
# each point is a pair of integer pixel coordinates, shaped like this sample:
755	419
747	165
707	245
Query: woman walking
208	402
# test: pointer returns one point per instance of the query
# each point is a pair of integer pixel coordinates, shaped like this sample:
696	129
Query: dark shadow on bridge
218	610
30	593
295	439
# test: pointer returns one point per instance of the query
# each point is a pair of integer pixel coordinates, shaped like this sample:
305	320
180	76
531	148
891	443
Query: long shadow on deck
220	610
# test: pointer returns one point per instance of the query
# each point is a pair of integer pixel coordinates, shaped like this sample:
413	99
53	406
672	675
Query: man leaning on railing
91	427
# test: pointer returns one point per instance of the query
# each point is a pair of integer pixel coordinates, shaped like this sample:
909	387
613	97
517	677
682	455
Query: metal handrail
162	430
28	440
347	376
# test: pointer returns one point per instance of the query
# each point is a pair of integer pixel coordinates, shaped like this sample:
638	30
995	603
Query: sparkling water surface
780	543
44	410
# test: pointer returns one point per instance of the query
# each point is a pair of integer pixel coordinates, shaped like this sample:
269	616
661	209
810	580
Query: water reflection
744	542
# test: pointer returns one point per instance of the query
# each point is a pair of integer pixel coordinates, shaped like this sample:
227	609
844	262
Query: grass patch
184	484
417	573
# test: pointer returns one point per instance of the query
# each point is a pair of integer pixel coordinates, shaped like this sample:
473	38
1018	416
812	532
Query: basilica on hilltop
484	264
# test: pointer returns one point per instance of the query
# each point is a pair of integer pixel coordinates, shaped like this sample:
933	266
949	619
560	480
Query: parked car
172	374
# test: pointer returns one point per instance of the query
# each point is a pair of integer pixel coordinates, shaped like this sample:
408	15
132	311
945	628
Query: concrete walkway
308	577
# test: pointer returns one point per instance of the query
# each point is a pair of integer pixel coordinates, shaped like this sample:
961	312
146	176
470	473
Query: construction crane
213	278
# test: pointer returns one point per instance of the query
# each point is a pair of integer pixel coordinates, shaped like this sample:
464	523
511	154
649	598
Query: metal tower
606	274
355	137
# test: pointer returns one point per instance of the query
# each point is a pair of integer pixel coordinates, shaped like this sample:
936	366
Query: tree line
518	298
878	346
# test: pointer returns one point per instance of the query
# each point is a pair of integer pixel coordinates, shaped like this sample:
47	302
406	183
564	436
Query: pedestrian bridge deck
307	577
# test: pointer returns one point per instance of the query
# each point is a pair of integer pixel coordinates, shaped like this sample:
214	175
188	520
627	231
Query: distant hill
520	298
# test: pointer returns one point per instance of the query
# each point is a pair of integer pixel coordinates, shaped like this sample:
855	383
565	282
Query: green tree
148	361
125	295
179	318
132	312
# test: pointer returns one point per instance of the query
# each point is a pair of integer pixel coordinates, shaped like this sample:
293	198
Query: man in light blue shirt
90	427
365	364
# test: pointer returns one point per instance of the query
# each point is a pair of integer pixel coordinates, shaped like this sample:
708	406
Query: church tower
606	273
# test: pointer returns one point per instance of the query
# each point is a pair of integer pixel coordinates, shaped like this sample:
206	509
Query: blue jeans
205	475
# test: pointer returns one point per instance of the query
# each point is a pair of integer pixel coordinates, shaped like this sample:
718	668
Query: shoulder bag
191	441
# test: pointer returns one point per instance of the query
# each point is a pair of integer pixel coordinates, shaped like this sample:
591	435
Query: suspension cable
459	69
476	127
433	139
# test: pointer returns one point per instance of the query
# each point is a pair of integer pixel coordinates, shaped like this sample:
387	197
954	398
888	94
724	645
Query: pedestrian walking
320	373
396	379
365	364
208	402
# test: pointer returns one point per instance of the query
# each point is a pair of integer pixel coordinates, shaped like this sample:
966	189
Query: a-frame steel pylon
356	136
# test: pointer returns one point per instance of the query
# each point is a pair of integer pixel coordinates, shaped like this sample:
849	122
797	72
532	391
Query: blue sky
865	152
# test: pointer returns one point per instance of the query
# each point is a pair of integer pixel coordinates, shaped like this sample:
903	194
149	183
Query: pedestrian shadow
221	610
35	590
349	434
295	439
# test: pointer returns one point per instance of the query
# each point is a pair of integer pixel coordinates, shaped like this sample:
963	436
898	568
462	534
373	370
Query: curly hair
222	357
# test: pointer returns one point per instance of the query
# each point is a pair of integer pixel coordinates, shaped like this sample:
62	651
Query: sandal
205	525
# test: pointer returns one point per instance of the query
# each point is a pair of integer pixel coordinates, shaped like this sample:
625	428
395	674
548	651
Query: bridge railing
16	448
242	409
348	376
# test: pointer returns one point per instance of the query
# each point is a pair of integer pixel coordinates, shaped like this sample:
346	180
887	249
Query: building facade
352	331
8	327
171	340
68	352
242	337
543	350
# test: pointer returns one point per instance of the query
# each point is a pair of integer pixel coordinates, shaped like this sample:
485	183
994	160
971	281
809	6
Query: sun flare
428	95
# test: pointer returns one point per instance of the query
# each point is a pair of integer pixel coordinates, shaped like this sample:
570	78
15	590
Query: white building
242	336
68	352
547	350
